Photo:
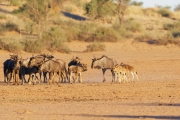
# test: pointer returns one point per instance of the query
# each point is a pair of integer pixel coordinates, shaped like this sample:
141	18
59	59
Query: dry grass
94	47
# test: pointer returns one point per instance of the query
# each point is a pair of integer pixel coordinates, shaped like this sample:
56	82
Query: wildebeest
11	69
64	74
74	61
31	71
104	63
47	65
77	69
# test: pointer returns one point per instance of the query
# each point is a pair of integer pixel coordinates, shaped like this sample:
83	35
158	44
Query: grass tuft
94	47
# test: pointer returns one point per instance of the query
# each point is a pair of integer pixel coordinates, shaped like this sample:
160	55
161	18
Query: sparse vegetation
96	46
106	22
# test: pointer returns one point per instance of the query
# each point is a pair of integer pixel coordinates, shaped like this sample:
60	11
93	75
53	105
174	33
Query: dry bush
133	26
2	16
103	34
151	12
57	45
94	47
174	28
8	27
33	46
11	47
134	10
165	12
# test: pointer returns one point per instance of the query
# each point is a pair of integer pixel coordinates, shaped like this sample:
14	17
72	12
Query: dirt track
155	96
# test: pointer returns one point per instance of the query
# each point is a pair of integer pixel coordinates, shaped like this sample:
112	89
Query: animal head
115	68
84	66
96	62
36	61
25	62
76	59
92	64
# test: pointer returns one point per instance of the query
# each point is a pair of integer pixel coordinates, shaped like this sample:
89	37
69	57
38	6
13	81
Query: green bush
97	46
98	9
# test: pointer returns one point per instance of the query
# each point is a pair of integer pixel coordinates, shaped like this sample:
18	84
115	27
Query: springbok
120	73
130	70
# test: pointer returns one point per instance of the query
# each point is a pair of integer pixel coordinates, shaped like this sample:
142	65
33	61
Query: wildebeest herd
54	70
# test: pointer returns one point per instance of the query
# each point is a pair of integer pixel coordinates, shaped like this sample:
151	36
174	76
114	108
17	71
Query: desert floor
155	96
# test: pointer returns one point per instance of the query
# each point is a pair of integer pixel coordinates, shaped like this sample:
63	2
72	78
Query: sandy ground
155	96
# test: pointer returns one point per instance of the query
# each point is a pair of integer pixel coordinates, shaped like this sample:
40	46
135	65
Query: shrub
104	34
15	2
33	46
14	47
3	45
57	45
173	28
165	12
2	17
133	26
97	46
11	26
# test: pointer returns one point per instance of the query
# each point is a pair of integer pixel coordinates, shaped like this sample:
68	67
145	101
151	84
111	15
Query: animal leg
113	76
104	70
132	73
9	75
80	77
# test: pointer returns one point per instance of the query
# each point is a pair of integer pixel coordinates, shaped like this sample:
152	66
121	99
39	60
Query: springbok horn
10	54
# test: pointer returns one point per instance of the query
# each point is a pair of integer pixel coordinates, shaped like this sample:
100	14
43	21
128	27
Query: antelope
130	70
120	73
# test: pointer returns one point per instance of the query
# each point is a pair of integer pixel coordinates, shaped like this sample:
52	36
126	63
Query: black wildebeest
11	69
104	63
74	61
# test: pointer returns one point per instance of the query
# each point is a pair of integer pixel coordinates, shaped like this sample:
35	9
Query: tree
99	8
177	8
136	3
121	7
38	12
